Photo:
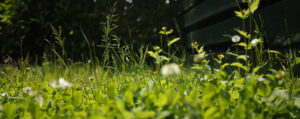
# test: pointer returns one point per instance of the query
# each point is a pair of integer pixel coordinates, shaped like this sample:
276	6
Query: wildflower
156	47
62	83
204	61
91	78
27	68
254	42
279	74
193	44
236	38
199	57
28	90
4	94
221	56
164	28
185	93
167	1
244	11
155	72
170	69
151	83
181	65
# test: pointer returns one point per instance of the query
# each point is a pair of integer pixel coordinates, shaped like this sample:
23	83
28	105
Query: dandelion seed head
236	38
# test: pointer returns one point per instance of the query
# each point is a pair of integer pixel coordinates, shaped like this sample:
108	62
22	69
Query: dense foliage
254	83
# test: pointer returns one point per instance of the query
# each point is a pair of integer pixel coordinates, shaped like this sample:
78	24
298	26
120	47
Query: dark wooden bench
207	21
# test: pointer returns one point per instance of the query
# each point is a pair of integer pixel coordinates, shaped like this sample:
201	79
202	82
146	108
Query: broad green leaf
145	114
169	32
273	51
297	60
233	54
239	14
129	97
10	110
263	89
254	5
152	54
239	83
234	94
162	100
223	100
242	57
212	112
173	41
270	76
163	114
242	44
239	112
224	65
237	64
243	33
258	67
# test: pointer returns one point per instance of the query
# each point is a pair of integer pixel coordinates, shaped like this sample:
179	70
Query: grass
258	84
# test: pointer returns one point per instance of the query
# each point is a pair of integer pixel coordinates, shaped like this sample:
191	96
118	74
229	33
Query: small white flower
28	90
4	94
254	42
54	84
170	69
167	1
199	57
185	93
236	38
62	83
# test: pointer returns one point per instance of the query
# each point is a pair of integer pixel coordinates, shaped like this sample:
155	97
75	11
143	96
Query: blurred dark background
27	22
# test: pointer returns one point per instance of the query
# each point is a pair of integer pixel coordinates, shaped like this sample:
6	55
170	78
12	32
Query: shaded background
28	22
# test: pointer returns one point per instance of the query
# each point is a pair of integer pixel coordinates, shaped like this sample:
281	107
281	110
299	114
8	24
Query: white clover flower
170	69
254	42
62	83
199	57
236	38
167	1
27	90
4	94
